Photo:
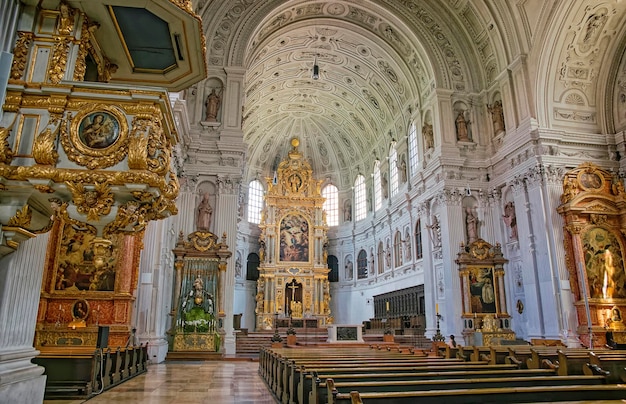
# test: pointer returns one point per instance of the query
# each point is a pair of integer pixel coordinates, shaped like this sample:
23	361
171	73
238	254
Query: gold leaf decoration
138	145
43	147
22	217
20	54
6	154
93	203
58	63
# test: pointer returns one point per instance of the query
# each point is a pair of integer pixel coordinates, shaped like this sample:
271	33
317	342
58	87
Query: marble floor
225	382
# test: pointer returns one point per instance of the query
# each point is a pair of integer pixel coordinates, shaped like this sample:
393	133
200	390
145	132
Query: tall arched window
360	202
413	149
378	192
331	205
361	264
252	267
418	240
255	201
393	170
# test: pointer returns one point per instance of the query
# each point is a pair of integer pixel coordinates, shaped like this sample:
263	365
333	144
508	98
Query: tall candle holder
438	337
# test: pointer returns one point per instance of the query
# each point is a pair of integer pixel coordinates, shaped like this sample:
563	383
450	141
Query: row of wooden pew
370	375
565	361
81	372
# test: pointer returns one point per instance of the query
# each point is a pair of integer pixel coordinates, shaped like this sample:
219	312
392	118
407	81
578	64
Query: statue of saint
205	211
497	117
429	136
471	222
461	128
213	103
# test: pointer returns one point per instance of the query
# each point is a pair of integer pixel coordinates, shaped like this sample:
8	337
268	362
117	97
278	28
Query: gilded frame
105	151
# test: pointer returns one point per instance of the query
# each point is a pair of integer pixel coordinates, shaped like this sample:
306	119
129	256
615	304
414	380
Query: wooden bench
319	392
71	372
457	384
611	364
505	395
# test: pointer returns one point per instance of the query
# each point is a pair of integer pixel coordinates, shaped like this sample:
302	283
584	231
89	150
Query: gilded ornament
6	154
66	19
20	54
58	62
22	217
56	104
12	101
158	153
138	144
44	147
92	202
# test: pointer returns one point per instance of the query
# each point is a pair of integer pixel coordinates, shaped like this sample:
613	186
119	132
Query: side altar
198	308
293	272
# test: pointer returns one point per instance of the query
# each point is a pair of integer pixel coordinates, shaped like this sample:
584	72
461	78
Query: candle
437	307
387	305
59	307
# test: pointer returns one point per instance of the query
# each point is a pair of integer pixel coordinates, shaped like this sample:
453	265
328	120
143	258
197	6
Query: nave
214	382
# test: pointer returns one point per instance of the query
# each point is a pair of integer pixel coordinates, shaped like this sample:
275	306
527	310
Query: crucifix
293	286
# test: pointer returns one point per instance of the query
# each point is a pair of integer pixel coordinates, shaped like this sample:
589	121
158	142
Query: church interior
186	180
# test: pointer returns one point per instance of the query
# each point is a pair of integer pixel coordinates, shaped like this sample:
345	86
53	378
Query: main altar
293	272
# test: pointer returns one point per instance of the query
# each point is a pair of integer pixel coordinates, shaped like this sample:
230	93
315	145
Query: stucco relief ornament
94	202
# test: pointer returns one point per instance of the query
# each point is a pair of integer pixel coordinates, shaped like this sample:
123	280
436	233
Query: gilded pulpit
293	280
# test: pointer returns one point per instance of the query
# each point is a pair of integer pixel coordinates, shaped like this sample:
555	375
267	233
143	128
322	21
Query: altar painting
294	238
74	266
604	264
482	291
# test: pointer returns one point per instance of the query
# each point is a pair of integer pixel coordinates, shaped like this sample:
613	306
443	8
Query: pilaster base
21	382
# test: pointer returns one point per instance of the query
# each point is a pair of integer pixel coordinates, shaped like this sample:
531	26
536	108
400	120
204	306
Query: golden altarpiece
593	207
485	316
293	272
198	309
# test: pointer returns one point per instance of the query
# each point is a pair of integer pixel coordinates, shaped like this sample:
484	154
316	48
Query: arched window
360	202
418	240
393	170
397	249
252	267
361	264
413	149
333	265
331	205
255	201
378	192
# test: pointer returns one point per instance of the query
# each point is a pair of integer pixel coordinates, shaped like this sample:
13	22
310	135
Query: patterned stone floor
226	382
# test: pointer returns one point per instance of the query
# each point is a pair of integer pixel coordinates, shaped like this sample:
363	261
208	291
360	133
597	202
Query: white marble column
154	297
20	286
226	222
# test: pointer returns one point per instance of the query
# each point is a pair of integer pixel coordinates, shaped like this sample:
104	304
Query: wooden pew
611	364
319	393
505	395
306	383
333	389
71	372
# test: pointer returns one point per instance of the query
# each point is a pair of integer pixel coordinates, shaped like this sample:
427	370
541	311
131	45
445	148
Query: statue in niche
402	169
462	132
384	184
205	212
429	136
238	267
497	117
213	103
349	269
435	232
347	212
471	222
510	219
198	297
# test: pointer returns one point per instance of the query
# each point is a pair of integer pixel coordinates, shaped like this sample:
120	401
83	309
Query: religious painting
80	309
74	264
604	264
482	290
589	180
294	238
99	130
